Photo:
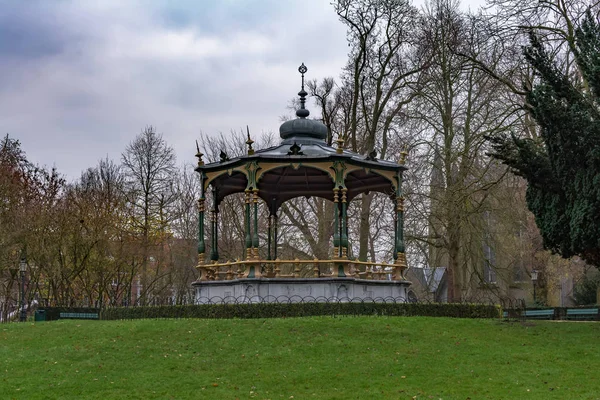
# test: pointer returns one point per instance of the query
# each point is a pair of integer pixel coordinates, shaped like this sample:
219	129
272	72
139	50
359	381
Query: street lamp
22	270
534	278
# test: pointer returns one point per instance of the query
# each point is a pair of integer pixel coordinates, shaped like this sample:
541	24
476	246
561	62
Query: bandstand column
336	224
201	242
269	236
275	232
201	212
343	268
272	231
344	236
255	235
214	251
247	199
399	253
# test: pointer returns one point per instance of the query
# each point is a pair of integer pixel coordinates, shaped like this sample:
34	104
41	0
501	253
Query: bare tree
14	168
149	165
382	74
185	231
458	107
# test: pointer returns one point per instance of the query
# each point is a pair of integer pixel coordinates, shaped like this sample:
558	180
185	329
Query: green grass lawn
303	358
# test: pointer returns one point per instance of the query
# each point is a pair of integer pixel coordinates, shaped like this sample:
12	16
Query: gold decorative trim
237	269
400	204
403	155
389	175
211	176
349	169
340	142
321	166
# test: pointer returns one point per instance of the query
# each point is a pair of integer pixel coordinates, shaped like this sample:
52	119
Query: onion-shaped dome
302	130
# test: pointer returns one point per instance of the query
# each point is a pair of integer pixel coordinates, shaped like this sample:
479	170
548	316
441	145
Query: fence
296	299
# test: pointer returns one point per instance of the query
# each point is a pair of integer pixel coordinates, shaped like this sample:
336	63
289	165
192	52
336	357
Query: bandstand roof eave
348	157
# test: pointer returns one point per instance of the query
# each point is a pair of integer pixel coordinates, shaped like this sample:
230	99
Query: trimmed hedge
286	310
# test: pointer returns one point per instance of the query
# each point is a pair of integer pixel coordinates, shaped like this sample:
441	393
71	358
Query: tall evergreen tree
562	166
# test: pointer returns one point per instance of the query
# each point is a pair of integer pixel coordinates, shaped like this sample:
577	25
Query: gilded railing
301	269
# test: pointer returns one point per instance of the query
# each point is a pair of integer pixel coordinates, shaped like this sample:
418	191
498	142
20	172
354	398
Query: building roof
301	165
430	278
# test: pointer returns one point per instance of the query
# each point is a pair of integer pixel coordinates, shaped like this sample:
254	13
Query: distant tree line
120	234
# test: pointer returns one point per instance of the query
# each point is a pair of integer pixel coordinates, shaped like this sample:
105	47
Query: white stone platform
256	290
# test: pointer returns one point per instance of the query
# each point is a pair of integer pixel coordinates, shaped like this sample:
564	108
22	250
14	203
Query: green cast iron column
255	236
400	225
201	210
248	225
344	238
399	218
272	245
269	236
214	251
275	231
336	225
395	216
201	244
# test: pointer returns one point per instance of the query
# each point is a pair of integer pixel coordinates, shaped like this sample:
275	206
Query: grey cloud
97	73
33	30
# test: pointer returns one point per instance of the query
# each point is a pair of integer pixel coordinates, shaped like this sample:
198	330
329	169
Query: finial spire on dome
302	112
303	130
249	142
403	155
199	155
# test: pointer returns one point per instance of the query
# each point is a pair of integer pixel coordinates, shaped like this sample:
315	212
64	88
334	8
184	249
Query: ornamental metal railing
297	299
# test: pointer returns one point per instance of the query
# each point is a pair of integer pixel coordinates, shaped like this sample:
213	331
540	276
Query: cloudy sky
80	79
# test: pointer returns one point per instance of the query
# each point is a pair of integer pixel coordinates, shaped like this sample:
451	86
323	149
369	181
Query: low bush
586	290
286	310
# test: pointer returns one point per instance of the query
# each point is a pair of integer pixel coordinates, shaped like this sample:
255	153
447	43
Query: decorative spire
302	112
340	143
249	142
403	155
199	155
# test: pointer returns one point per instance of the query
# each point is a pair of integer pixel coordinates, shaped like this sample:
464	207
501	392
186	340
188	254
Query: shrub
586	290
286	310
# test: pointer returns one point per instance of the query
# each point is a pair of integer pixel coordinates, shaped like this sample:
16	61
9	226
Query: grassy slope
321	358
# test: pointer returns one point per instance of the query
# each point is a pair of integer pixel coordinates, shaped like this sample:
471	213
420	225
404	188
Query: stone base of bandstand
256	290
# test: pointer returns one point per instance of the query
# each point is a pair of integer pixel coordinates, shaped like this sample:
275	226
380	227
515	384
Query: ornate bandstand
302	165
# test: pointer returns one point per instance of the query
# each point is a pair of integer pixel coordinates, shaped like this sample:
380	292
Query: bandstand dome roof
301	165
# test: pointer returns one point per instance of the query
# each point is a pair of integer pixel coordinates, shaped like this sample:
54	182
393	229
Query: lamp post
534	278
22	270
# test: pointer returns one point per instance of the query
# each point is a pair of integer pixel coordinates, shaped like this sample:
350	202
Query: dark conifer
562	167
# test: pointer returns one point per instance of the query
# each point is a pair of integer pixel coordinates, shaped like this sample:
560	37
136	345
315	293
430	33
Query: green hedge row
278	310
